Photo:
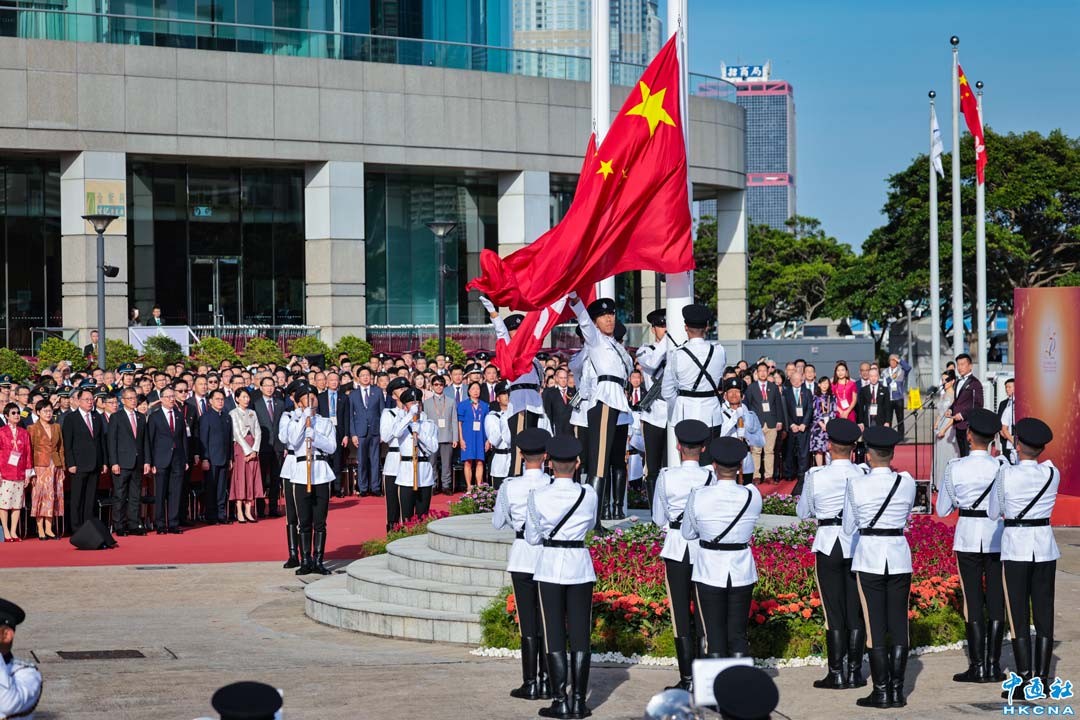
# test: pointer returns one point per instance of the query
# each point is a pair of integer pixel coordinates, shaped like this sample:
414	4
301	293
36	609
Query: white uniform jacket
323	444
709	513
546	507
1014	488
635	445
609	359
683	374
428	437
20	688
864	497
673	488
497	432
390	428
750	431
653	361
283	437
510	508
524	390
966	486
822	498
585	384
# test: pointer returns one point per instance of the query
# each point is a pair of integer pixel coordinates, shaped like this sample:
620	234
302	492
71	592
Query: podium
182	334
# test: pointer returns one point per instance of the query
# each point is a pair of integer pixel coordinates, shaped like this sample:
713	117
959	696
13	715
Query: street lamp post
908	305
441	229
101	223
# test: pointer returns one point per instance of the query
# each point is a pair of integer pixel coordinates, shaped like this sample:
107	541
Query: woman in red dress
844	389
15	470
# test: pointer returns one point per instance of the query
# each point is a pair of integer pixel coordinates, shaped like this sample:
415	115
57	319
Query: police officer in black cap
20	681
878	507
292	534
1024	494
247	700
694	371
966	487
822	500
391	426
310	486
654	409
744	692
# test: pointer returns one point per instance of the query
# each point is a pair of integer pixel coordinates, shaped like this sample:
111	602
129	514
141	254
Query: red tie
89	425
564	396
270	407
172	426
636	396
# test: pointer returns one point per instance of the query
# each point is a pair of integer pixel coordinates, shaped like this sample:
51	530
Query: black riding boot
684	653
559	707
650	488
317	566
290	538
855	648
603	494
305	555
995	633
976	647
528	689
836	677
879	673
543	683
580	663
1022	664
619	496
1044	652
600	485
898	655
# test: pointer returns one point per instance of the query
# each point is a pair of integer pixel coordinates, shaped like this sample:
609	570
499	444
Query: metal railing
238	335
397	339
75	26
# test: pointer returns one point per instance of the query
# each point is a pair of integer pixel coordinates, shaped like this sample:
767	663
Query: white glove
487	304
309	411
414	408
309	433
414	427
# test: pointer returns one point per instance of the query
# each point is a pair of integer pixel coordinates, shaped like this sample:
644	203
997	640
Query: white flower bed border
778	663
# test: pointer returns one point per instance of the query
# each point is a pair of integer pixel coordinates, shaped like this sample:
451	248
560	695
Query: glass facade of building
770	152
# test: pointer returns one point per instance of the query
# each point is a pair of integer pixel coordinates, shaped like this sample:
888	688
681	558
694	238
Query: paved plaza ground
201	626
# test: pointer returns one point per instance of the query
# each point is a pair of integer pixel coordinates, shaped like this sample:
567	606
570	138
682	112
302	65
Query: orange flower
807	613
511	604
814	602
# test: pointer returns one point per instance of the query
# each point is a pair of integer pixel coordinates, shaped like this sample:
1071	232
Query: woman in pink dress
245	486
843	388
15	470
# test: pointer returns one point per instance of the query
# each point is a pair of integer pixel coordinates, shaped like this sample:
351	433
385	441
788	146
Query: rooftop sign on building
745	73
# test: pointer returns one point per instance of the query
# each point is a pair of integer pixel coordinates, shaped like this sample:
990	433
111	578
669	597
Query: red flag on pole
630	209
970	107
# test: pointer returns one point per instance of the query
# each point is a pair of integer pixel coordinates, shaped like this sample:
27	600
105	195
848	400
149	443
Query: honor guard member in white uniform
416	437
388	421
966	487
20	681
292	532
497	432
635	465
1024	494
558	516
311	507
878	506
652	359
721	516
822	500
608	407
526	406
510	506
739	421
691	384
673	487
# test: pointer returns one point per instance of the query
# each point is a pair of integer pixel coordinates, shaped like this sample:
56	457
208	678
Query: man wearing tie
763	397
128	451
215	434
91	350
969	395
155	318
799	410
456	389
873	407
557	403
84	448
1007	413
443	412
334	404
168	458
365	406
268	409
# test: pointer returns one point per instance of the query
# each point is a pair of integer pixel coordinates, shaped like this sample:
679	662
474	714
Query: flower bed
414	526
480	500
630	604
779	504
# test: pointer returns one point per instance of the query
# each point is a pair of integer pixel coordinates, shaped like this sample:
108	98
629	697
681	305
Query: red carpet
351	522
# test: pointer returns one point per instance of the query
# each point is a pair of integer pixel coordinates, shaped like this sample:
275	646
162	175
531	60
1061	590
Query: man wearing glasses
168	457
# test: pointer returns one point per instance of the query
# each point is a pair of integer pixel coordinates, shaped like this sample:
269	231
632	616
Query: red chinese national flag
630	209
970	107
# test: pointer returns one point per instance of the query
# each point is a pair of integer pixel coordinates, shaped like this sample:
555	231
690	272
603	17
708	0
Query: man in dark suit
167	437
155	318
1007	413
334	404
557	403
969	395
128	451
799	412
487	387
84	450
92	348
872	405
269	409
763	397
215	435
365	411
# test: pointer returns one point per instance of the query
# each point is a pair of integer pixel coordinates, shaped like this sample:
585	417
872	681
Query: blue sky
861	73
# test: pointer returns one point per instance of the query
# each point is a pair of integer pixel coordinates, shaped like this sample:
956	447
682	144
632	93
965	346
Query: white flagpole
957	243
980	266
935	270
600	64
679	289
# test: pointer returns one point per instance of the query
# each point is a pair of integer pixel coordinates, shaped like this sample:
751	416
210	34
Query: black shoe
529	689
116	533
137	531
855	648
836	677
976	647
580	662
161	531
898	655
364	493
186	523
274	513
879	672
618	497
1021	665
290	539
559	707
684	655
175	531
305	555
317	566
543	682
995	633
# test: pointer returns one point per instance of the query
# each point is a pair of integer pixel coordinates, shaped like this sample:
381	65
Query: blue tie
333	404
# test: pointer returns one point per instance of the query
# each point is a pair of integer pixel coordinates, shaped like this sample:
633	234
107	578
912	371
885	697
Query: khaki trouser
769	452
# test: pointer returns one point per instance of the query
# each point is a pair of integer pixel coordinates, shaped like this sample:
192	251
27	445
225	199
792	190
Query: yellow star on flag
605	169
651	108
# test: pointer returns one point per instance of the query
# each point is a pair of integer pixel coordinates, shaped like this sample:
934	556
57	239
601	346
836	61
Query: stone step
372	579
470	536
329	602
413	558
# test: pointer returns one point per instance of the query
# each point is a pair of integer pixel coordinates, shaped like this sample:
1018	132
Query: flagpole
980	262
935	270
679	289
957	243
600	65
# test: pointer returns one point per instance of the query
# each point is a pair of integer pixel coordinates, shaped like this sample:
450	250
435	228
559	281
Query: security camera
110	270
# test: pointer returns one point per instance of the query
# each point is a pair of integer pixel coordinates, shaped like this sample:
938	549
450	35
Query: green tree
308	345
118	352
705	260
13	364
55	349
453	349
213	351
358	350
160	350
260	351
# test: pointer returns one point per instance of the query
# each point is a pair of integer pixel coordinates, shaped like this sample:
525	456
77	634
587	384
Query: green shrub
498	627
55	349
453	349
160	350
212	351
13	364
118	352
308	345
358	350
262	351
940	626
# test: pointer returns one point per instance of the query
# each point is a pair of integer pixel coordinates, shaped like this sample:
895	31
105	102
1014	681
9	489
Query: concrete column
93	182
732	309
334	248
524	208
649	281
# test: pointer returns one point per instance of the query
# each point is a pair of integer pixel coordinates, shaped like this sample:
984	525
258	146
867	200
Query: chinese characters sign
108	197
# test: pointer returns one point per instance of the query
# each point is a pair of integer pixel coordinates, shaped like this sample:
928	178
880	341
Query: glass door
215	290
